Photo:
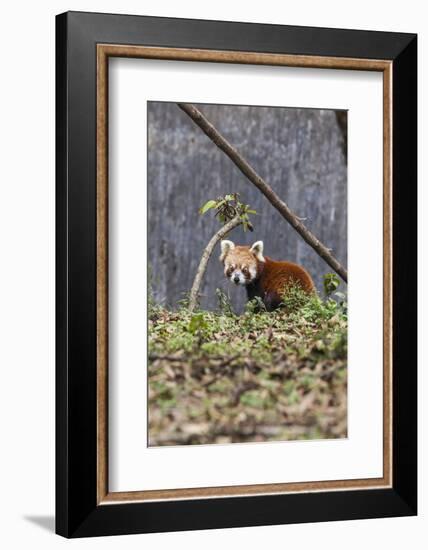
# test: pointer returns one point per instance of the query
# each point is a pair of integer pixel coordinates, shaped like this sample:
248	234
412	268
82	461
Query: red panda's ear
257	250
226	247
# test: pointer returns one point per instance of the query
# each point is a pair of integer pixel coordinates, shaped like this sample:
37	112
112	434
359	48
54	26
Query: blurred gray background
301	153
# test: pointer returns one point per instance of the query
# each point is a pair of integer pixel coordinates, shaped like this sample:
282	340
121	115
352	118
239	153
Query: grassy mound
215	377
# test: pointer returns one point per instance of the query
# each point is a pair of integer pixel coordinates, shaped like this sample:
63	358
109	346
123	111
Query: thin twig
222	232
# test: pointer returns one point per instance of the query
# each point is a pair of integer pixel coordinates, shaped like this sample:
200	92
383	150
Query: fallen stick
234	155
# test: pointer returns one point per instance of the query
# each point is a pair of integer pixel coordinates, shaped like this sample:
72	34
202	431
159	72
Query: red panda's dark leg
272	301
253	291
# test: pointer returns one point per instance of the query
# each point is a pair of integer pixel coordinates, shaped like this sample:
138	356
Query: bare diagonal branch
234	155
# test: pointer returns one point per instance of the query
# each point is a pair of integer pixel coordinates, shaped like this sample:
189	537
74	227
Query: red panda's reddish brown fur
275	275
263	277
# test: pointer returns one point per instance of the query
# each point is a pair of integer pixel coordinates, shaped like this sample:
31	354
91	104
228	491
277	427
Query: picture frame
84	44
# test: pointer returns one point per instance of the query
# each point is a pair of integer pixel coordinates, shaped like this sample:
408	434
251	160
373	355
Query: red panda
262	276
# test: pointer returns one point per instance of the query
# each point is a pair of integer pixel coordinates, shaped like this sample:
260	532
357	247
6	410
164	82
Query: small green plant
224	303
228	207
294	297
256	305
311	307
183	302
197	324
331	283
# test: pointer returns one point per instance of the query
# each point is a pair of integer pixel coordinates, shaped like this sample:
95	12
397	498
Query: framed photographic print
236	274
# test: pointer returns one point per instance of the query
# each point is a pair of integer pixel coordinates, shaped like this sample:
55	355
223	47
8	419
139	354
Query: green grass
216	377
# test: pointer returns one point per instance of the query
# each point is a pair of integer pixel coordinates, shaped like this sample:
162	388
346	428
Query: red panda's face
240	262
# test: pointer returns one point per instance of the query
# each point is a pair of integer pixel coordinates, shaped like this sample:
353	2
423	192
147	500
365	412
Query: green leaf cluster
228	207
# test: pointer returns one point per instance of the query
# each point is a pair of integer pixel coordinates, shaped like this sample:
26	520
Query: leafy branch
229	207
231	212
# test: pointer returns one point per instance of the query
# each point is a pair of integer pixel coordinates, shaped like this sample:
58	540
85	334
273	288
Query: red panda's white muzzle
240	278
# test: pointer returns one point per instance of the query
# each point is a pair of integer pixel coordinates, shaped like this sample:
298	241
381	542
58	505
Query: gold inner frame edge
104	51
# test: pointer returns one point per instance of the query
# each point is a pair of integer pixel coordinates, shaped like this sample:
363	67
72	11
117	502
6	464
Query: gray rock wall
301	153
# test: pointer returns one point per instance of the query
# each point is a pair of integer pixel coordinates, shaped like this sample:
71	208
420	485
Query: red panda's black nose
236	278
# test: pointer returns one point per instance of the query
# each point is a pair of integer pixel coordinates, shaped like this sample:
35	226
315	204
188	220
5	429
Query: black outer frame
77	513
